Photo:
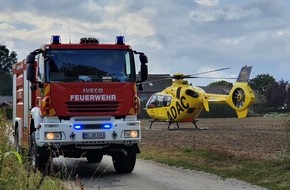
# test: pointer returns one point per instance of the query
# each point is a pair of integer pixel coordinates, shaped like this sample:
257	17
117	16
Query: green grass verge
14	170
272	174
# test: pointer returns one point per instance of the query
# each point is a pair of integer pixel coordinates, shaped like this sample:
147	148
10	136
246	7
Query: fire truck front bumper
87	132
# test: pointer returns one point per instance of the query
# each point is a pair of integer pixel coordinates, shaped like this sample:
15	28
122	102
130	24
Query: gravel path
148	175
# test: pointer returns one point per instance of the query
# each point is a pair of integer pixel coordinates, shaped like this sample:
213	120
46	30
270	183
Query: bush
218	111
8	113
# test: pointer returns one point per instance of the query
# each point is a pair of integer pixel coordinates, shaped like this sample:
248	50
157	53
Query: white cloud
233	41
6	26
232	13
208	2
236	13
205	15
9	45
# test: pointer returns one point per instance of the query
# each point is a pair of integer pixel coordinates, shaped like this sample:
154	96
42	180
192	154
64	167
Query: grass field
254	149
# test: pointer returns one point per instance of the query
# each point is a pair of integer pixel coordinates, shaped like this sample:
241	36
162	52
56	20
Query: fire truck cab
78	100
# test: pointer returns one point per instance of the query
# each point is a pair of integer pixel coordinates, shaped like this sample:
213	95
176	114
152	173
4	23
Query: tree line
7	59
272	95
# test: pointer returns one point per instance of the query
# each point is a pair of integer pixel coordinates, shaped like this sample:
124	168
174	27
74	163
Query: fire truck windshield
89	66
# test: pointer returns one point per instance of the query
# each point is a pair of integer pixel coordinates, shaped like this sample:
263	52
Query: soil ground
253	137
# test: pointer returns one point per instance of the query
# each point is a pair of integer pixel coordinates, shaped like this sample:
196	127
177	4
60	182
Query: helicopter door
163	102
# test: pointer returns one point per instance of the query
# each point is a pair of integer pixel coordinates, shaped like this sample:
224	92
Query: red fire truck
78	100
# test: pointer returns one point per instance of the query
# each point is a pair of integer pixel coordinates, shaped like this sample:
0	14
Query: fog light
53	135
131	134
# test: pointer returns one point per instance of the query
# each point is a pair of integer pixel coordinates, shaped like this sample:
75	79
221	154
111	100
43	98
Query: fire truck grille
78	107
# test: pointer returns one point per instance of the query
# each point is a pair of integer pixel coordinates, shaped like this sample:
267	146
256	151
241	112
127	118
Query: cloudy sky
187	36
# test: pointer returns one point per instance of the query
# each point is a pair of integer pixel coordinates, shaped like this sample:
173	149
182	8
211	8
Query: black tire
94	157
39	156
124	163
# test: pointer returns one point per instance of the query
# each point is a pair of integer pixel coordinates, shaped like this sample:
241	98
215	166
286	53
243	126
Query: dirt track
255	137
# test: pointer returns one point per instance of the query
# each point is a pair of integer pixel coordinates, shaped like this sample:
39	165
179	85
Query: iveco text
93	90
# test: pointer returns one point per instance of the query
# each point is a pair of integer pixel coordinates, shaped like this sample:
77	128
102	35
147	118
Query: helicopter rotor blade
157	80
180	76
210	71
212	77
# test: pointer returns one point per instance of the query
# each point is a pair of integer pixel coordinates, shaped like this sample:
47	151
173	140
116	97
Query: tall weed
14	170
288	134
288	143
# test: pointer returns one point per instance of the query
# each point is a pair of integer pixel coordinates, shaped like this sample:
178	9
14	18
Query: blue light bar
78	127
120	40
55	39
107	126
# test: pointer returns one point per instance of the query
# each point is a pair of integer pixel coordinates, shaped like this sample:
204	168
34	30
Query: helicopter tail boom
240	98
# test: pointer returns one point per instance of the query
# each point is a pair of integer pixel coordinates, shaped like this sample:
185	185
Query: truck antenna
68	31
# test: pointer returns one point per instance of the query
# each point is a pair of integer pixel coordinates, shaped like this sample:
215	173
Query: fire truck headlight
131	134
53	135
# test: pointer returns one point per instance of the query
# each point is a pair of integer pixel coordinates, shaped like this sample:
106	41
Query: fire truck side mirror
143	58
144	68
144	72
30	70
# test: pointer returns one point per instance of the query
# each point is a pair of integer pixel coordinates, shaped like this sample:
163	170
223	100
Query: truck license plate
94	135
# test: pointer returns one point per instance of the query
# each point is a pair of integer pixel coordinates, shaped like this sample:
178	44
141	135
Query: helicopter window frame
152	102
167	100
160	101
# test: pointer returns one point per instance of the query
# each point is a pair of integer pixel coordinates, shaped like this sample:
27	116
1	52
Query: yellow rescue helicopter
182	102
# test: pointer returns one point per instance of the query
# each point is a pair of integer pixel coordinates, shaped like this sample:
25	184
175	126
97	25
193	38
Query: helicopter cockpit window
160	101
157	101
167	100
152	102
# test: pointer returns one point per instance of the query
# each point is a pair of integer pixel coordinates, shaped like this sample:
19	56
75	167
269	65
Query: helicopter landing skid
157	120
177	124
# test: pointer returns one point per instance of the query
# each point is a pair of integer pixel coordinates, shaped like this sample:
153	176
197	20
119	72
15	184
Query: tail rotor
240	98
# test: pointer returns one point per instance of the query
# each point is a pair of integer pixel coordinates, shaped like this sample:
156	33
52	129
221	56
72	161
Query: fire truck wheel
124	163
39	156
94	157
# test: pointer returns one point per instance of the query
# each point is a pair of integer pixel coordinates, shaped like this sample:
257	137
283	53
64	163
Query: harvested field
253	137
